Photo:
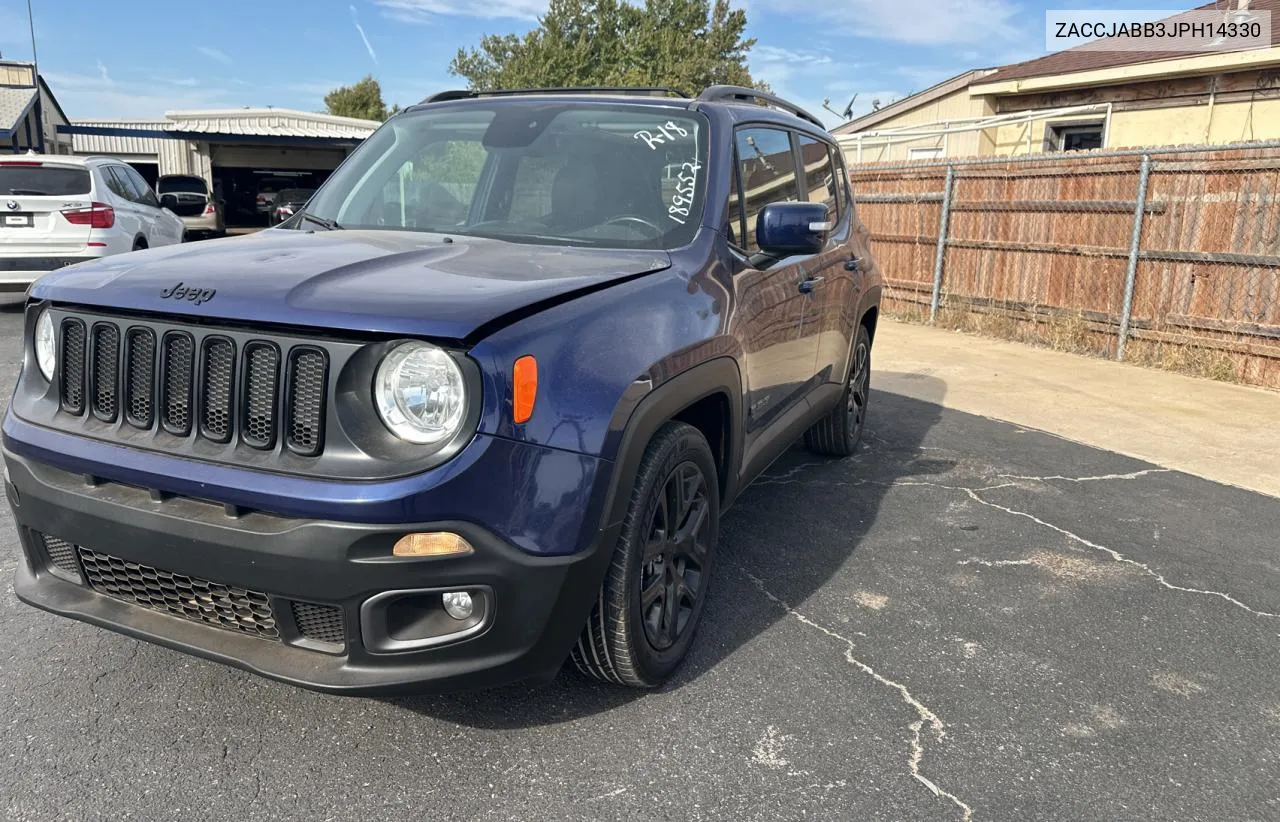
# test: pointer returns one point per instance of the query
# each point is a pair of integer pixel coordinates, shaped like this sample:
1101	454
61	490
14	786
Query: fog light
430	545
457	604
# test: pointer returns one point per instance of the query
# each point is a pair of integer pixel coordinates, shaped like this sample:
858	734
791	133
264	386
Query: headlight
46	345
420	393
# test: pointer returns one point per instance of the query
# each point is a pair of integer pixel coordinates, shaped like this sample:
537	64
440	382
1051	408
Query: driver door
776	321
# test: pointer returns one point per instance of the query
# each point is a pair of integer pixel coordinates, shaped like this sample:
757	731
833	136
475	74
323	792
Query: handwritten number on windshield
686	184
665	133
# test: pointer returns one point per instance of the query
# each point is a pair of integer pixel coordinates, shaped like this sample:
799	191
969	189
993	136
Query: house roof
1093	55
268	122
920	98
14	105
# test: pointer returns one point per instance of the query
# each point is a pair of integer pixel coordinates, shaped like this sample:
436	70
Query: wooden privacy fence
1167	257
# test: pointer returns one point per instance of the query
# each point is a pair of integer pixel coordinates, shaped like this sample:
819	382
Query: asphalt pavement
969	619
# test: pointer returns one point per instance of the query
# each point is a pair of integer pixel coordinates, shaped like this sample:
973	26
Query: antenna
847	114
35	63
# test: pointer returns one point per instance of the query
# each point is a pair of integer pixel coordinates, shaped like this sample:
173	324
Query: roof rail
742	94
630	91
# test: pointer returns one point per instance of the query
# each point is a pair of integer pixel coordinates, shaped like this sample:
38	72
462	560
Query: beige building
1079	99
29	114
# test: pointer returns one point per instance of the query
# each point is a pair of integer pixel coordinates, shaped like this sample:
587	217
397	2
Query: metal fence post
943	223
1135	242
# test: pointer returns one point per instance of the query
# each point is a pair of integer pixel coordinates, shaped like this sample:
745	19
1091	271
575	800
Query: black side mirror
783	229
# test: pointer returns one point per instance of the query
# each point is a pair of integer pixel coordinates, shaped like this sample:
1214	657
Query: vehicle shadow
788	533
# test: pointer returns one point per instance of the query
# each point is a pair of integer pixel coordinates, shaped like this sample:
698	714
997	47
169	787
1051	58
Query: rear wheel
652	598
139	244
838	433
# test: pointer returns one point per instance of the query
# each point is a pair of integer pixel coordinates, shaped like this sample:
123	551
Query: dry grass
1074	334
1192	360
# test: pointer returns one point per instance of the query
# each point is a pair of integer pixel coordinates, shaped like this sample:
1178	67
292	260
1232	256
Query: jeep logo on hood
189	292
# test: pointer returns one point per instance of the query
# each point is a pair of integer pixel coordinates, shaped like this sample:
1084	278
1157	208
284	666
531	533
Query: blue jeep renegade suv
474	412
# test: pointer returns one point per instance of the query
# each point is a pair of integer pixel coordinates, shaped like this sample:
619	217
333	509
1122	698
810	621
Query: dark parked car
475	412
289	202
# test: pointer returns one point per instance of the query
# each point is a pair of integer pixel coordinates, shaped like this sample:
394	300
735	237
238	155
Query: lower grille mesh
191	598
61	553
319	622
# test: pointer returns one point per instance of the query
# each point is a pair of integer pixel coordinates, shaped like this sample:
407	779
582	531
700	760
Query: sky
141	58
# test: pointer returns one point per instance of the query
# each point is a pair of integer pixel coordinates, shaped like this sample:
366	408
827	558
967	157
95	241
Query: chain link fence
1162	257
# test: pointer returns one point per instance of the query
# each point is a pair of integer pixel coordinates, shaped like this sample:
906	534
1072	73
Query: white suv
56	211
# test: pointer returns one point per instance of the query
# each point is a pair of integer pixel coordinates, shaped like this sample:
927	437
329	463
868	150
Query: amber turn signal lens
431	545
524	388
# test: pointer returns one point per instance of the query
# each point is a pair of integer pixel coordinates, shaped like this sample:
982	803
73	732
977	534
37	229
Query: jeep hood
391	282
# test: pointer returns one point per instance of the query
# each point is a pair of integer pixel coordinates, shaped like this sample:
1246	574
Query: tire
627	640
838	433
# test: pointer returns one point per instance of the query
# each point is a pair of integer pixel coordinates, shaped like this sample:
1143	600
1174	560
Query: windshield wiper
28	192
327	224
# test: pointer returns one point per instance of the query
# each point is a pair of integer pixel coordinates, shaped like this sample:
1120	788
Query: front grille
177	365
73	351
218	369
306	400
261	381
322	623
61	553
198	600
140	354
105	370
195	383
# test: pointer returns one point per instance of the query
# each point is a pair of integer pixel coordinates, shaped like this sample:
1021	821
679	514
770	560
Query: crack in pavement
788	479
1115	555
1101	478
925	716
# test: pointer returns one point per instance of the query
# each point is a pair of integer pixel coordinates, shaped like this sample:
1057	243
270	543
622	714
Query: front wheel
838	433
652	598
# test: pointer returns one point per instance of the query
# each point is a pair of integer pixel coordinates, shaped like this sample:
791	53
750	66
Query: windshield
294	195
529	171
35	179
183	185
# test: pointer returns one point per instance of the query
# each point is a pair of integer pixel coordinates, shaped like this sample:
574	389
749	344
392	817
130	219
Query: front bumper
535	611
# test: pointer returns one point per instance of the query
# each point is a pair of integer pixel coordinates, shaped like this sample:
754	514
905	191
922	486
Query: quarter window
768	169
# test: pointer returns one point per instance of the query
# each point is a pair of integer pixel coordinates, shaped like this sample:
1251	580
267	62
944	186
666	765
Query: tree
681	44
362	100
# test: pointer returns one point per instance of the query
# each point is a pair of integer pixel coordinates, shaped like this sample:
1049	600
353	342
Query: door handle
853	264
808	284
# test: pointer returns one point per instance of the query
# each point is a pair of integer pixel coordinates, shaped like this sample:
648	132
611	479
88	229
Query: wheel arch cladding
694	396
869	319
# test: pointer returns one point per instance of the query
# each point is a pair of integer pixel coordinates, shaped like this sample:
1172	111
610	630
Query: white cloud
89	96
920	22
355	18
102	72
214	54
185	82
422	11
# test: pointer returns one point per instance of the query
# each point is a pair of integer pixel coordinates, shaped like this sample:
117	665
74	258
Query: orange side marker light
525	388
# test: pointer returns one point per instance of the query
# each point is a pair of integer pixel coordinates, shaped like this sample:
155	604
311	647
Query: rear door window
840	180
43	180
145	196
820	182
768	168
117	182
